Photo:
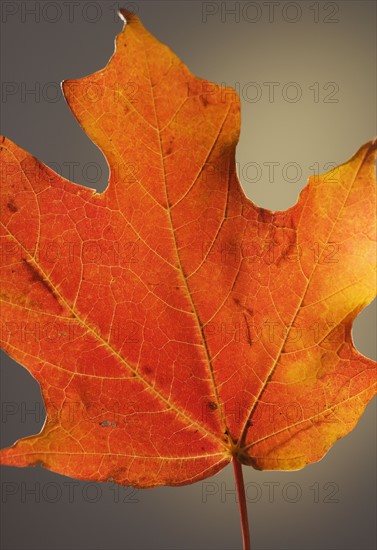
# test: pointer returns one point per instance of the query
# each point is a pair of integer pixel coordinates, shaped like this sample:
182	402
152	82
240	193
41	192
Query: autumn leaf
172	324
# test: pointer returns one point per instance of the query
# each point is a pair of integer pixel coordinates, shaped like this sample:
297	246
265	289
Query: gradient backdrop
328	51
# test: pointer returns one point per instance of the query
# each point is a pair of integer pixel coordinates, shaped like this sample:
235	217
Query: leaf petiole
237	466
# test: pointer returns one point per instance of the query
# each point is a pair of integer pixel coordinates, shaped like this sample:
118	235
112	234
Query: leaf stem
237	466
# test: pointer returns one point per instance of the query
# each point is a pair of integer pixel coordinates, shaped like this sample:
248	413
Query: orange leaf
171	323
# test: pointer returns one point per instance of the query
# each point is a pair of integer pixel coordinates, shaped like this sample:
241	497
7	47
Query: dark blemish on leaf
212	406
33	273
12	207
245	308
248	333
204	100
169	146
107	423
264	216
226	437
34	276
147	369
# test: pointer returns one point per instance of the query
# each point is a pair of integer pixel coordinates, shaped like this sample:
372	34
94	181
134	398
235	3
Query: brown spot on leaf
11	206
212	406
36	277
264	216
248	333
204	100
245	308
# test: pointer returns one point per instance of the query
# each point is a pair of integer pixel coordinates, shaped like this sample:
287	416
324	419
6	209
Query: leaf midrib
181	270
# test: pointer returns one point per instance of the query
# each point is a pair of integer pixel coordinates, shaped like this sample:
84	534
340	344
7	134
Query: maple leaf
173	325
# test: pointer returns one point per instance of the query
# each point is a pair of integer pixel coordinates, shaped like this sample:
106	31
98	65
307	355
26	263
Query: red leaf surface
171	323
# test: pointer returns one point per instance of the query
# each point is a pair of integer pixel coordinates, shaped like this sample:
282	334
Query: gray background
339	48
